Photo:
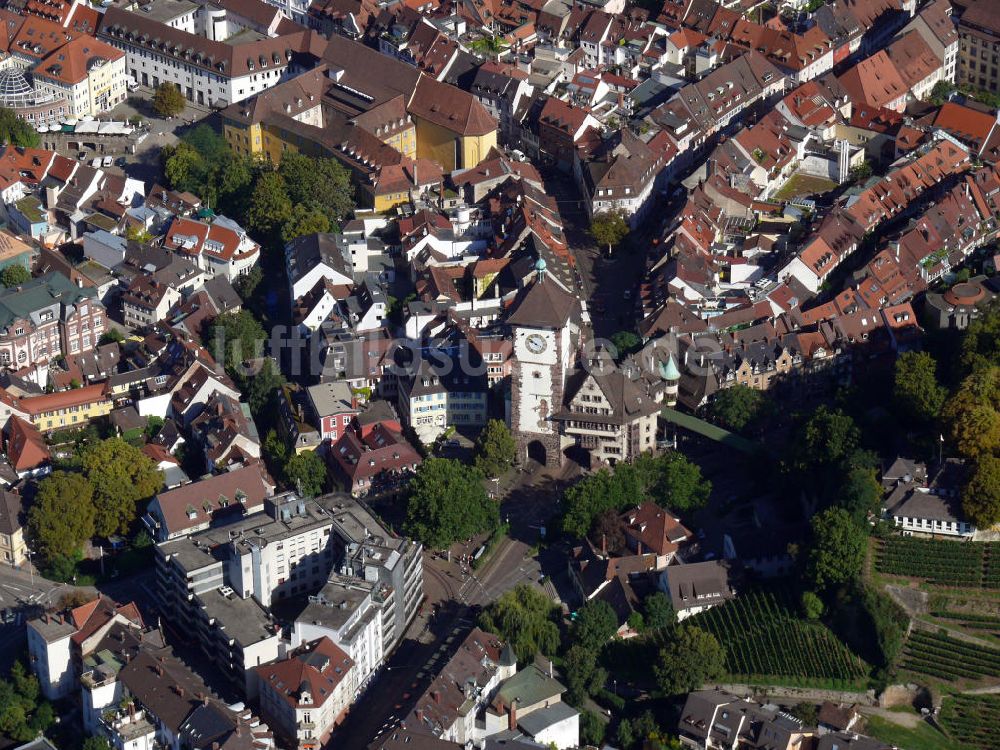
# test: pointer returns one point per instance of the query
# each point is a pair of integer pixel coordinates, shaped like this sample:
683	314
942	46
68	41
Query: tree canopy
860	493
14	274
916	391
525	618
596	623
812	605
973	414
303	221
669	480
827	437
690	659
625	343
15	131
737	406
658	611
307	472
495	448
981	493
270	207
980	347
22	715
448	502
584	677
609	228
235	338
63	514
121	475
321	185
168	101
838	549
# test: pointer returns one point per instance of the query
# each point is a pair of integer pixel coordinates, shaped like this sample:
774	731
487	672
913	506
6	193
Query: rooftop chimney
512	716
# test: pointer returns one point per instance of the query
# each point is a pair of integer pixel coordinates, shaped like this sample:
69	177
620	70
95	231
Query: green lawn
924	737
802	186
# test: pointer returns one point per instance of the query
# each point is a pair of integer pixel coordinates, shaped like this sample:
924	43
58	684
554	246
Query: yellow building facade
449	149
72	408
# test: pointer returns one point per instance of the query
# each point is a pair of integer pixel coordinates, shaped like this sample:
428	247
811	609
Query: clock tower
544	330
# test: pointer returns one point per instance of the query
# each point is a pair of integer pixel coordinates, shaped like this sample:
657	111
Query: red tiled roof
89	394
71	63
26	448
317	667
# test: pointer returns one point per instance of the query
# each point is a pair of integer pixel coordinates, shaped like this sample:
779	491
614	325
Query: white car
107	161
95	162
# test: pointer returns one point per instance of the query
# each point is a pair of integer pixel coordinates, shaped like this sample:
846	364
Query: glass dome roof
15	91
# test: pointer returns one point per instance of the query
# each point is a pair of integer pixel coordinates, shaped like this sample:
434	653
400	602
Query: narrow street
453	599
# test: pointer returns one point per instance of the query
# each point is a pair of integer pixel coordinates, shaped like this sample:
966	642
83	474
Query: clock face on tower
536	344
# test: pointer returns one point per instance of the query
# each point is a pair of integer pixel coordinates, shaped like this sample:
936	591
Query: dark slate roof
542	305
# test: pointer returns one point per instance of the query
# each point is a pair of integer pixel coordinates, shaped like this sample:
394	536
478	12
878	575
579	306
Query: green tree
15	131
941	92
916	391
828	437
302	221
625	343
270	207
692	658
121	475
111	336
658	611
208	142
584	677
22	716
495	449
736	407
588	499
95	742
62	517
973	414
236	338
633	733
275	453
184	167
981	493
679	485
526	619
247	284
14	275
669	480
862	171
322	185
447	503
596	623
980	347
490	46
138	233
168	101
609	229
591	728
861	493
153	426
812	605
307	472
264	387
838	549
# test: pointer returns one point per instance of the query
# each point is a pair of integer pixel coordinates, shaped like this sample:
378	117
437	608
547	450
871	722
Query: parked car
107	161
96	162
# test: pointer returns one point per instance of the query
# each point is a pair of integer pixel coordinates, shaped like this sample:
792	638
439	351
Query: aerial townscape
499	374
